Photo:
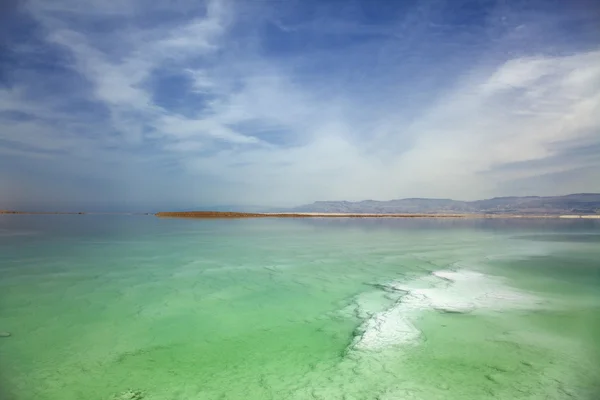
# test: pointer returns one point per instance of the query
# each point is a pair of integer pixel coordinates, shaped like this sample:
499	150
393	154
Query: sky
138	105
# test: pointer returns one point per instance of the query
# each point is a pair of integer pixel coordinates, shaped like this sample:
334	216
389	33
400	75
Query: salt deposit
459	291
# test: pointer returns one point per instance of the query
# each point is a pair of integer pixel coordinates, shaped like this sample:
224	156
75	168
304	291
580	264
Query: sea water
136	307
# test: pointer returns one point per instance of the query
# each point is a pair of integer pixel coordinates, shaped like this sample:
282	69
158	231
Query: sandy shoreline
218	214
235	215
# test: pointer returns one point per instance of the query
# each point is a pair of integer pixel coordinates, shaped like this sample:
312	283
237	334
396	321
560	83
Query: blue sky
131	105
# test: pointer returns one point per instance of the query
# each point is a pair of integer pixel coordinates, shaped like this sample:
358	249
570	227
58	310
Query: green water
298	309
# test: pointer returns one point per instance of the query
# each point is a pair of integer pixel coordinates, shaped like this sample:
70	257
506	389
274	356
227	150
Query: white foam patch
448	291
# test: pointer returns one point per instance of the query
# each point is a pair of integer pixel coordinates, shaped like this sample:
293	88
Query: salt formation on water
459	291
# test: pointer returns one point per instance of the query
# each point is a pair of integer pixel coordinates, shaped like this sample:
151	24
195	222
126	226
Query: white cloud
265	131
185	128
468	135
118	81
476	131
518	73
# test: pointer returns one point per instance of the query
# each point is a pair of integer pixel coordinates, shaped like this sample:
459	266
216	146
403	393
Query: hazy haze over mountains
581	203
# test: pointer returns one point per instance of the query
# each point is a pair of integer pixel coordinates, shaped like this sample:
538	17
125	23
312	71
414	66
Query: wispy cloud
256	103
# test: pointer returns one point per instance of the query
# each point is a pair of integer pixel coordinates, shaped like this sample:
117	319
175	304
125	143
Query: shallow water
131	307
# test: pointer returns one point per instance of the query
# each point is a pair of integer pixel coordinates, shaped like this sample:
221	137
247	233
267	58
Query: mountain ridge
576	203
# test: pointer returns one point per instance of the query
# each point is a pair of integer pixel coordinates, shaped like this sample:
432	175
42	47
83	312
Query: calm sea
136	307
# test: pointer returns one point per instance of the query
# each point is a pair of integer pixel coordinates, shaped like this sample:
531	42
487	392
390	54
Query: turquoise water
136	307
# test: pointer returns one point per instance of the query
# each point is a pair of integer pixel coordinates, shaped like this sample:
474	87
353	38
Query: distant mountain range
581	203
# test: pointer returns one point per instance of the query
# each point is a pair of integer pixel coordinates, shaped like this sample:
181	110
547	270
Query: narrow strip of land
225	214
232	215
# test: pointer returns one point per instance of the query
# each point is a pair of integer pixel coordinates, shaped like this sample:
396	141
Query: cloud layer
107	105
